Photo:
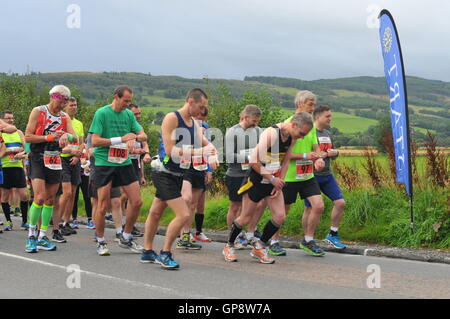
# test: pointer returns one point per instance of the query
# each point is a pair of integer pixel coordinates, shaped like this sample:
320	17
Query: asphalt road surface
74	270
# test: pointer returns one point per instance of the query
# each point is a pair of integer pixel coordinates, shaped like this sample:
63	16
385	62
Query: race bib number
52	160
325	143
246	153
199	163
118	153
304	169
273	168
185	160
12	158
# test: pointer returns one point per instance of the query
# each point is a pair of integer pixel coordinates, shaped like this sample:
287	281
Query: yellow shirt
78	128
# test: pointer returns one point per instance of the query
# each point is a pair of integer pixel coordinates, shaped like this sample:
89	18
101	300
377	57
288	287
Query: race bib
273	168
325	143
118	153
185	160
12	158
52	160
199	163
304	169
246	153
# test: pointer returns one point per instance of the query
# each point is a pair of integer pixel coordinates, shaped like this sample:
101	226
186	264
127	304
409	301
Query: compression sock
269	230
7	211
199	222
24	210
35	213
47	213
234	233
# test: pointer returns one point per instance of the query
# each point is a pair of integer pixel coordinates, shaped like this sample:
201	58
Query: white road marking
111	278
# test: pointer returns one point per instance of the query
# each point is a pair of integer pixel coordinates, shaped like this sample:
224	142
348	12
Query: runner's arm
2	150
265	142
30	130
7	128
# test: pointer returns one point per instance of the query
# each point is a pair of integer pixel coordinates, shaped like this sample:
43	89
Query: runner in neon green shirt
300	180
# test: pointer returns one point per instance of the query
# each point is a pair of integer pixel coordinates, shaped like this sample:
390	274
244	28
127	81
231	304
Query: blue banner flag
395	78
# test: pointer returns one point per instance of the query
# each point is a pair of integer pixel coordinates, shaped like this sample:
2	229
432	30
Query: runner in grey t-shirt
239	141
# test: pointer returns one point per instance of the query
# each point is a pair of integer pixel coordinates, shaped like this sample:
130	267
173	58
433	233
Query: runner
84	186
13	172
139	156
49	130
300	180
194	185
114	133
240	140
178	135
199	208
268	164
325	178
71	167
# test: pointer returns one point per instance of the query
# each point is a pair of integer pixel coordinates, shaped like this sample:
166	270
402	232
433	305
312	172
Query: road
204	274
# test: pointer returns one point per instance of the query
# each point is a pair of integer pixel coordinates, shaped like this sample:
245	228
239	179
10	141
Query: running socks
199	222
24	210
185	237
7	211
35	213
269	230
47	213
234	233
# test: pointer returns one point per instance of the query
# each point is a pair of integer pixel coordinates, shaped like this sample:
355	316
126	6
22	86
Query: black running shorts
304	188
167	186
118	175
13	177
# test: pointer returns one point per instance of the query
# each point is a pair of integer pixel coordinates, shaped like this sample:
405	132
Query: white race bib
118	153
52	160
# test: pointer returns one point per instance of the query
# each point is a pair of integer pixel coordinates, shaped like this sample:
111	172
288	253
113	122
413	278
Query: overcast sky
222	38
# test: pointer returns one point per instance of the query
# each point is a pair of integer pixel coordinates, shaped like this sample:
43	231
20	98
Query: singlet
11	141
47	124
185	137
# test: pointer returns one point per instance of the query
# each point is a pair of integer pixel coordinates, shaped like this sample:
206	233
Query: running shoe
261	255
31	245
149	256
57	237
241	243
202	237
131	245
257	234
24	226
276	250
312	248
45	244
102	249
90	225
8	226
65	231
109	217
166	261
335	241
181	244
75	224
229	254
69	228
117	238
136	232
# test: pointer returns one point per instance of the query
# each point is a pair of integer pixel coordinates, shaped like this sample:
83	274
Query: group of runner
266	169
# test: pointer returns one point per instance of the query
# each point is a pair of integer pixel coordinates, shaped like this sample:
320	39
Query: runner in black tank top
269	163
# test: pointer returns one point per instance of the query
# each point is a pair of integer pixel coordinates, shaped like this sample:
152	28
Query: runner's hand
128	137
208	178
319	164
332	152
74	160
143	182
278	183
77	153
312	156
147	158
63	139
274	193
213	162
131	145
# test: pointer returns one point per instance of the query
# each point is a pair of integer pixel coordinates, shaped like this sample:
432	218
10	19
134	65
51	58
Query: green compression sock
47	213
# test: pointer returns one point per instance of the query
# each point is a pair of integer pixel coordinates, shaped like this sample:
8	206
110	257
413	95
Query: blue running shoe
166	260
90	225
335	241
30	246
149	256
45	244
312	248
24	226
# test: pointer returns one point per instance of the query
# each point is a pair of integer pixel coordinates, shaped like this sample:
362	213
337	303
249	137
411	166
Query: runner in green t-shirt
114	134
71	178
300	180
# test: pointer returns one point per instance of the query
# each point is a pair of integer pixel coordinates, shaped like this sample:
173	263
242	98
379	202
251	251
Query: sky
227	39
